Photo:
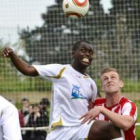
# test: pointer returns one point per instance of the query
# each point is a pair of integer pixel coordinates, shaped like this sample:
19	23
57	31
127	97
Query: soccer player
114	107
9	121
72	89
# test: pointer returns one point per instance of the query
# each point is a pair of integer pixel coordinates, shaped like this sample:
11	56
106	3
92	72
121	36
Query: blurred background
40	33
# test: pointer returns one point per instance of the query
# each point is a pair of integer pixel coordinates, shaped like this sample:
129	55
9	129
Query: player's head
111	80
82	53
25	102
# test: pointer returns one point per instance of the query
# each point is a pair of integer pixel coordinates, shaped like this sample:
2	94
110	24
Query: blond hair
109	69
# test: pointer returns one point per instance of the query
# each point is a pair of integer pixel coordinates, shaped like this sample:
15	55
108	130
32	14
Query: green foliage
12	81
29	84
108	32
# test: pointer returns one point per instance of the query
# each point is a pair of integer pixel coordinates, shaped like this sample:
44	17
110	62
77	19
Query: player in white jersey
9	121
114	107
72	89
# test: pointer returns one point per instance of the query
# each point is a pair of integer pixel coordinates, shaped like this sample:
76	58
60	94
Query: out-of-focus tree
115	36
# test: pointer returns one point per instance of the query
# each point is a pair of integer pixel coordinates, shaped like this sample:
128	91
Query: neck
113	99
79	68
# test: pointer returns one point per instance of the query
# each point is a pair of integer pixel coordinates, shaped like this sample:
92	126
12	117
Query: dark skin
84	51
22	66
101	130
82	58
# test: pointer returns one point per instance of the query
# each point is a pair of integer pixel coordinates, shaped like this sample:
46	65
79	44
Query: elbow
126	126
126	123
30	71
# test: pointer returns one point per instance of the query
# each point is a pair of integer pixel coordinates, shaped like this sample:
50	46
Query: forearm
22	66
123	122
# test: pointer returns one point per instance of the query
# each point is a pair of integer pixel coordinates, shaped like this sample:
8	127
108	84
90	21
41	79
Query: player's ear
121	83
73	53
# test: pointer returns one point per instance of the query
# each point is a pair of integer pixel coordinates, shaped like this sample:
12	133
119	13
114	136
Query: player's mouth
86	60
110	85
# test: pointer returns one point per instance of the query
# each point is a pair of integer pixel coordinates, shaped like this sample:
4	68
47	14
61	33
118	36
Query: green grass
138	132
138	120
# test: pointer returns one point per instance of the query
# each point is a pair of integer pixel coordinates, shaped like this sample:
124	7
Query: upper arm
33	71
129	114
130	109
10	124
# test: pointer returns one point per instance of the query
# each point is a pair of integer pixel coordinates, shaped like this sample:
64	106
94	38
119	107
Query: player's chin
86	64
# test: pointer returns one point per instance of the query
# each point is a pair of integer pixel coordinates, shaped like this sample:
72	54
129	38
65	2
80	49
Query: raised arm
22	66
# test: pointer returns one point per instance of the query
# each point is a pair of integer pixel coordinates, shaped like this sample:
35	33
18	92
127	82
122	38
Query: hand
7	52
91	115
90	105
37	114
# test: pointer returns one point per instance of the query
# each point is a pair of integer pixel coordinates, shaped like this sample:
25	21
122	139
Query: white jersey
71	93
9	121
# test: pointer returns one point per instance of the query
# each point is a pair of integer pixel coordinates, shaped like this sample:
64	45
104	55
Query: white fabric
9	121
79	132
118	139
71	93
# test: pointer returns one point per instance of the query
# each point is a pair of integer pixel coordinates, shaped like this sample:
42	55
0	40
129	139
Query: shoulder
49	69
48	65
128	107
99	101
124	100
126	103
5	103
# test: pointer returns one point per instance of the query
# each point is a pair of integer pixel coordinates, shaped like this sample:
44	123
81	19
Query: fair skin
111	86
36	112
25	105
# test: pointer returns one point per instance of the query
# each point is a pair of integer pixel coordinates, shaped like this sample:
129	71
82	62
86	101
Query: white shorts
79	132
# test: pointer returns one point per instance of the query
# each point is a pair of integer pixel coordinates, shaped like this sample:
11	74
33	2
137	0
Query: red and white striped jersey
124	107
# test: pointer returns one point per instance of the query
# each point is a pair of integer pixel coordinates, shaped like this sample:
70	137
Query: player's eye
113	77
91	52
105	79
83	50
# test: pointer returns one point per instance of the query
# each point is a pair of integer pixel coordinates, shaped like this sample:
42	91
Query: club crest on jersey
76	93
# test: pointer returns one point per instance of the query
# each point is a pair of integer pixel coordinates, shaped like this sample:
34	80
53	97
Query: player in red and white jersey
123	107
114	107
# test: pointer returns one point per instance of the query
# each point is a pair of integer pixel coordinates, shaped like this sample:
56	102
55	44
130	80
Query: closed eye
105	79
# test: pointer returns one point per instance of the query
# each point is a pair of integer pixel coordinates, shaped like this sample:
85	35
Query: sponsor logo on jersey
76	94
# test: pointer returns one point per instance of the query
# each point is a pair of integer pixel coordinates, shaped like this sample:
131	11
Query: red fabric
21	119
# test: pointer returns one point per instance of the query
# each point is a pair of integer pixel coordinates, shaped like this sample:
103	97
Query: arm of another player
10	124
122	121
22	66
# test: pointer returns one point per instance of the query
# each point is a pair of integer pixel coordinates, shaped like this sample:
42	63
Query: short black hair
77	44
45	101
24	99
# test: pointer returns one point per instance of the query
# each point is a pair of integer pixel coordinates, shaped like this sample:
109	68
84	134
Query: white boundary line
46	128
137	124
